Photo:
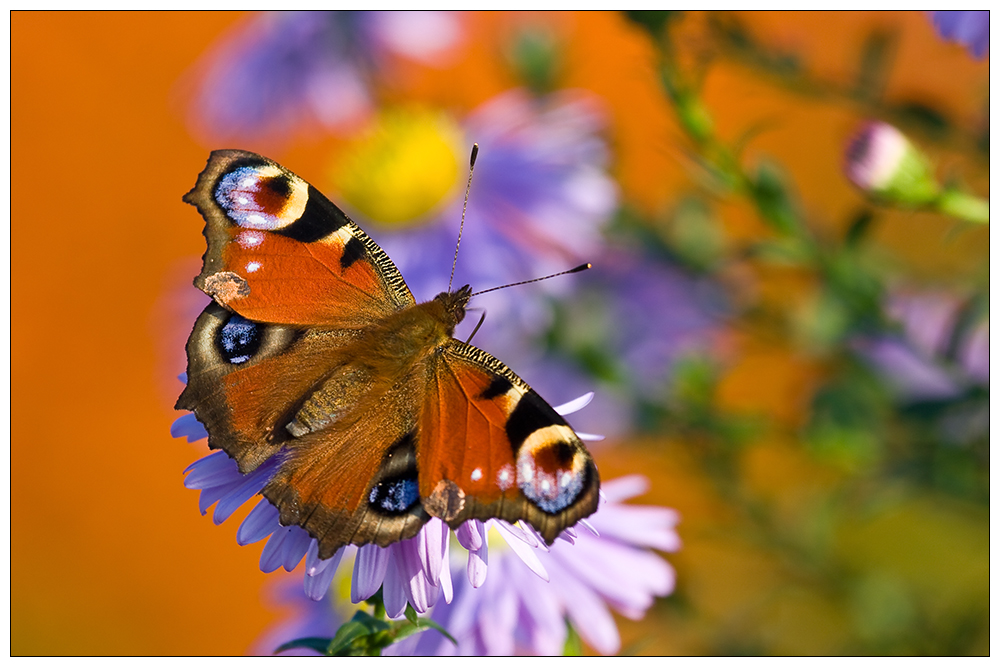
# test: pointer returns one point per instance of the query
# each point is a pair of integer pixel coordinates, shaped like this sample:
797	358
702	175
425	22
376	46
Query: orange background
109	554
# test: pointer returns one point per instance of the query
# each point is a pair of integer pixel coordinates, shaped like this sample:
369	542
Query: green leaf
346	635
428	623
318	644
773	201
411	614
860	225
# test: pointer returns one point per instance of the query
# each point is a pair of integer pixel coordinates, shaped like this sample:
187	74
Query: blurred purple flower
512	612
925	362
276	72
309	618
971	29
540	196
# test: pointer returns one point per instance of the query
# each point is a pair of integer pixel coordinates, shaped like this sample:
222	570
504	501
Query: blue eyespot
395	496
239	340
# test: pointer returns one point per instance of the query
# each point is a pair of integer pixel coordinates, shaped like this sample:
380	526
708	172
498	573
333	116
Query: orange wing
281	252
489	446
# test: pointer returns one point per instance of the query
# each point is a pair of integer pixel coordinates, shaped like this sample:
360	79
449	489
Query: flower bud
881	161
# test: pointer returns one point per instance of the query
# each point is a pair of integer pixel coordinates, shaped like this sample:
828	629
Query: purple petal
478	560
639	525
188	426
432	541
209	467
575	405
548	634
590	617
260	522
393	591
247	489
625	577
317	585
624	488
370	566
589	526
471	535
445	578
419	591
273	554
523	551
211	494
296	545
498	619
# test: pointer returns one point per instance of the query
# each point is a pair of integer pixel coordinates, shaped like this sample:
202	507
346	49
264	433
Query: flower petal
370	567
260	522
393	587
317	585
523	551
575	405
188	426
471	535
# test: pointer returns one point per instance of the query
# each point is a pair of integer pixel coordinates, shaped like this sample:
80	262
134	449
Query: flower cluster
279	72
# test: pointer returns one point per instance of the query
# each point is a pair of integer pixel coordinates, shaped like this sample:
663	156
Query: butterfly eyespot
551	472
239	340
395	496
261	196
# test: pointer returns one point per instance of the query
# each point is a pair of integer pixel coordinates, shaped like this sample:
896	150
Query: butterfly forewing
280	252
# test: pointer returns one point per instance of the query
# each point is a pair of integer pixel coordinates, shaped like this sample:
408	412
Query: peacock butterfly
314	350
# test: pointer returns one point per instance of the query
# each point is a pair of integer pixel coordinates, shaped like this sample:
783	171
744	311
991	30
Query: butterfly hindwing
354	481
246	379
280	252
489	446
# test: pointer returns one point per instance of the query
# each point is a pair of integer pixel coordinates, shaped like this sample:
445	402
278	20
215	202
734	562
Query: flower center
404	168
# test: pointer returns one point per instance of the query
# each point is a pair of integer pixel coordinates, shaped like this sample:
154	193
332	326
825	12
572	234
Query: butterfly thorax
379	359
449	307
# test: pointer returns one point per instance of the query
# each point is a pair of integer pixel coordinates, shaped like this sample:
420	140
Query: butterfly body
315	352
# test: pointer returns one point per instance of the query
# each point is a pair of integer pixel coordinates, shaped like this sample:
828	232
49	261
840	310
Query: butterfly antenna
472	168
582	267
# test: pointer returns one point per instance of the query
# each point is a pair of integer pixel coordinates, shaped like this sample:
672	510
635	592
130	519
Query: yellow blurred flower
404	168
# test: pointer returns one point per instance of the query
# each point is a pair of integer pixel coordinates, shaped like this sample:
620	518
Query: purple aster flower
276	72
413	571
971	29
539	199
522	606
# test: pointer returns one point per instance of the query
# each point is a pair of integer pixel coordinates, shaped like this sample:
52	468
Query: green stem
964	206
